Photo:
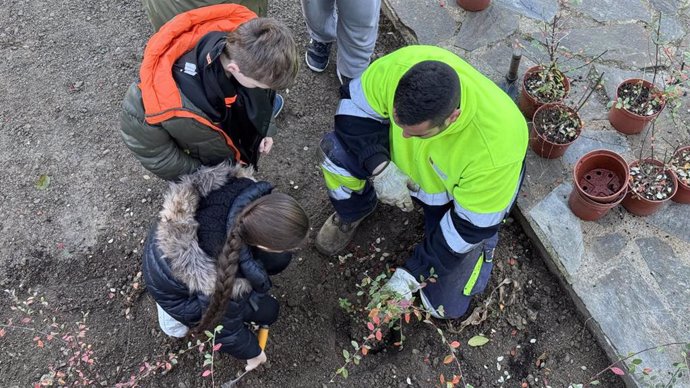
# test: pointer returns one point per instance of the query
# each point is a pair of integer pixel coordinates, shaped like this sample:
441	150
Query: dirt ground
75	207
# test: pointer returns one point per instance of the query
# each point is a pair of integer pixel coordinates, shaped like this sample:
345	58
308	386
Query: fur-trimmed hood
176	235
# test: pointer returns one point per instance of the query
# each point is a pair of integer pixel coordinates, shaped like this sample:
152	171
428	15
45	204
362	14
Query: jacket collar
177	229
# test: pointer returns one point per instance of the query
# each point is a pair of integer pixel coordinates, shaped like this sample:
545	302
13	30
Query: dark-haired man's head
427	99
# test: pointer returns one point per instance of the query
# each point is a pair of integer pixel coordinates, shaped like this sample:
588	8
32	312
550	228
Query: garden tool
262	336
509	85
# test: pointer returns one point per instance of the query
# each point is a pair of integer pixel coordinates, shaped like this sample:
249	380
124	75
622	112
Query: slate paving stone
668	7
626	43
672	29
543	175
535	9
607	246
496	61
561	227
430	22
611	300
614	10
595	140
672	275
674	219
481	29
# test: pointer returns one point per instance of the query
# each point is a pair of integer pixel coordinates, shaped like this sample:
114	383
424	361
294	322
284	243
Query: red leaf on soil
647	371
365	350
455	344
26	320
370	326
2	332
456	379
407	318
376	319
617	371
39	343
442	379
379	336
206	373
216	347
448	359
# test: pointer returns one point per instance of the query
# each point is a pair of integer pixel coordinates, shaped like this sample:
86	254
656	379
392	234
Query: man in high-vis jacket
421	123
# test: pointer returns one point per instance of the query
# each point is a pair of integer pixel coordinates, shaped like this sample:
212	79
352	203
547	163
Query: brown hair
265	50
275	221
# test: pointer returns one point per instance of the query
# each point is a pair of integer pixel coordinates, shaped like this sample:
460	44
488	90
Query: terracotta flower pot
539	143
588	210
683	192
641	206
528	103
474	5
599	185
627	122
601	176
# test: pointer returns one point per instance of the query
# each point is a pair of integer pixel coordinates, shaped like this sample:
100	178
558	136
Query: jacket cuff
373	161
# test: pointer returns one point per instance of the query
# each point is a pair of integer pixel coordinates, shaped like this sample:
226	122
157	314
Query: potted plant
599	184
650	185
680	166
544	83
474	5
638	102
556	126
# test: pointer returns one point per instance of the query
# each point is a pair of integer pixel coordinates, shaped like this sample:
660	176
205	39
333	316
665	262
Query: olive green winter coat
160	11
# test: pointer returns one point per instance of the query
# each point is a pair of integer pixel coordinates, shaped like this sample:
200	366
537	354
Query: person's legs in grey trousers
354	24
358	24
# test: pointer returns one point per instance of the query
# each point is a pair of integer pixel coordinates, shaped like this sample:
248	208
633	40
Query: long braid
275	221
226	269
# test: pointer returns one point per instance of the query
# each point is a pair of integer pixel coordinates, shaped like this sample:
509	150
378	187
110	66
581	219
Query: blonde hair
265	50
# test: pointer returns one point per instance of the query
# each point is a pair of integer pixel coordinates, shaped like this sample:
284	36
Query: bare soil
76	206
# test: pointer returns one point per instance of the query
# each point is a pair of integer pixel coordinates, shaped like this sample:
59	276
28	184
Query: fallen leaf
617	371
43	182
477	340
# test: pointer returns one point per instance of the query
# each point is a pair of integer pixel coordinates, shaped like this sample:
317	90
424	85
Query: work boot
336	234
317	55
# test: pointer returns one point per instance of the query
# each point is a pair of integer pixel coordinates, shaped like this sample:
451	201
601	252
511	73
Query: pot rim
558	104
667	170
536	69
649	86
602	152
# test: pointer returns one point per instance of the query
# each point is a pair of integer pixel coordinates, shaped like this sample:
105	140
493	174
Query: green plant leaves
43	182
478	340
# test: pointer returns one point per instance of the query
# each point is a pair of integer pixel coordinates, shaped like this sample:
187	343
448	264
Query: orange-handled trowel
262	336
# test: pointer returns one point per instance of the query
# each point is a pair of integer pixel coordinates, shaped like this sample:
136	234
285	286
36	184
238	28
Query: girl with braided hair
208	259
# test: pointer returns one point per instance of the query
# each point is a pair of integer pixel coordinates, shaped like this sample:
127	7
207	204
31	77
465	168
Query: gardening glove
393	187
403	283
252	363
